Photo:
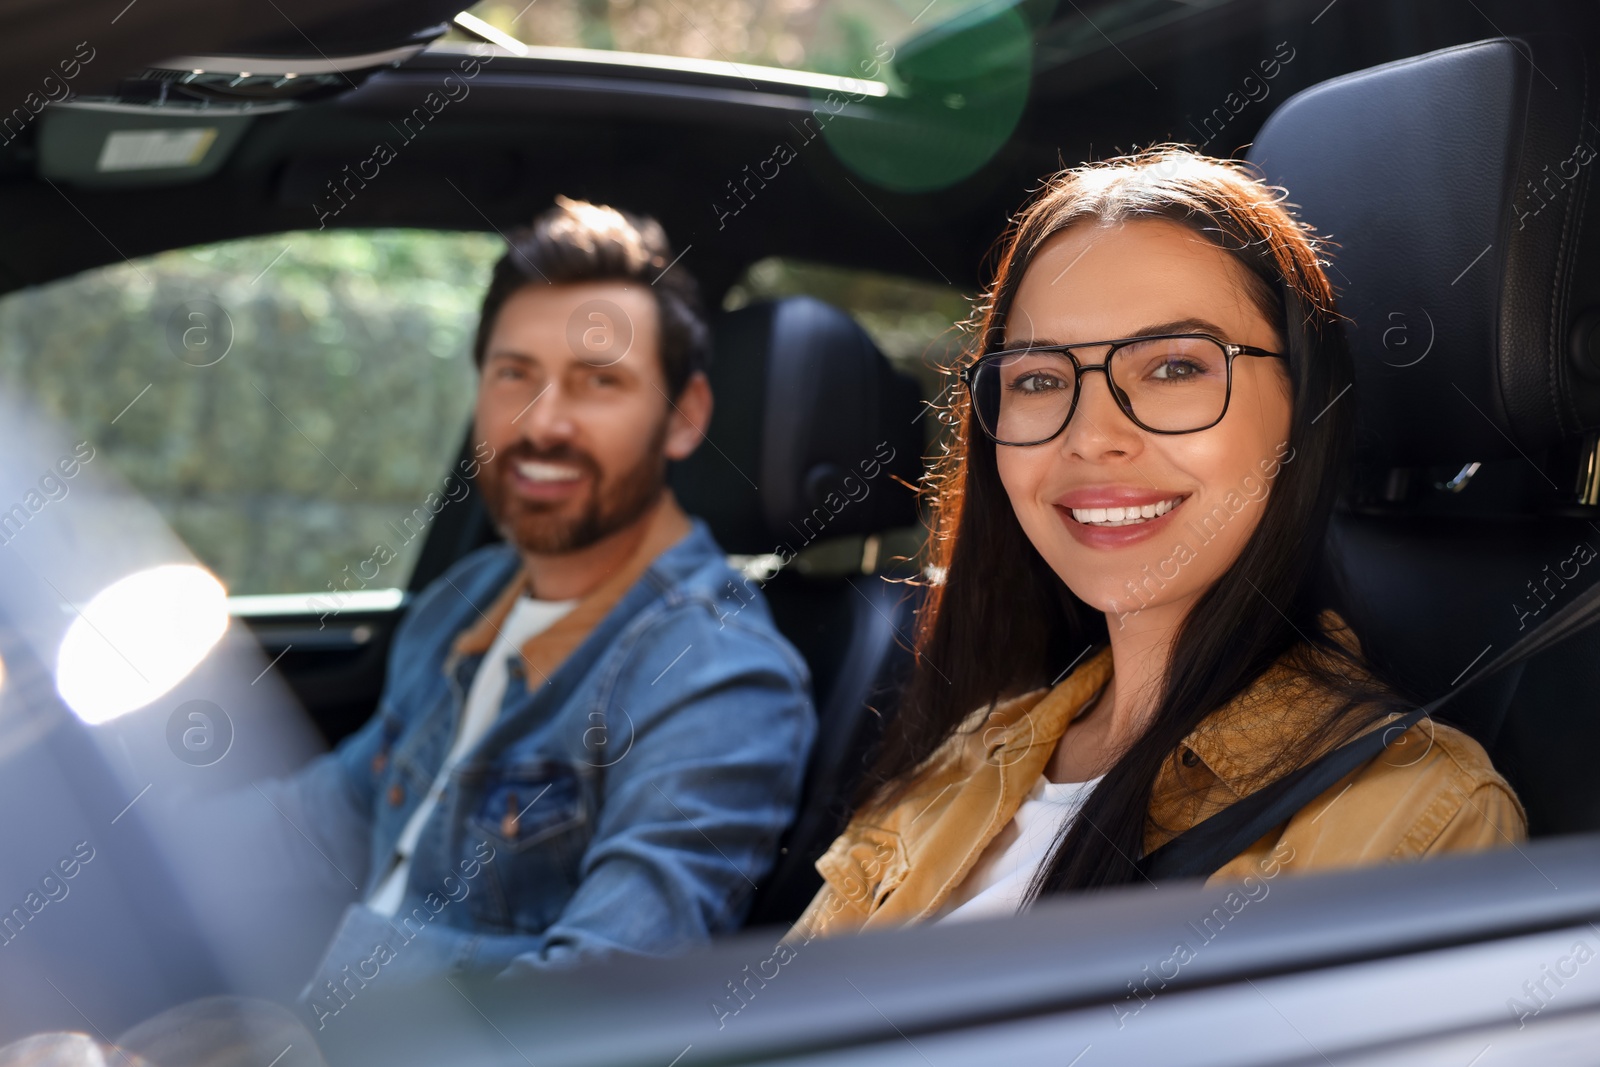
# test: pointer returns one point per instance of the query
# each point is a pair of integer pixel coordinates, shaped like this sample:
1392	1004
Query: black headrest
1457	189
811	434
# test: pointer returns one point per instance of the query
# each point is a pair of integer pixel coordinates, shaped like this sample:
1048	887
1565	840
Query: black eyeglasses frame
969	373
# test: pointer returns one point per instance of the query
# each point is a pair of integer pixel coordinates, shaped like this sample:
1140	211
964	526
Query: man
584	746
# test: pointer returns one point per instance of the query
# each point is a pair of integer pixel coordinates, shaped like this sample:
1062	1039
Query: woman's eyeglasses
1167	383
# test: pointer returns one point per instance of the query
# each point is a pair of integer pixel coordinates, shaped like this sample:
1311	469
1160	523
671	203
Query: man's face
572	398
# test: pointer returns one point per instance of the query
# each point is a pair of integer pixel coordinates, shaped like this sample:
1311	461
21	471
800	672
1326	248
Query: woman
1128	538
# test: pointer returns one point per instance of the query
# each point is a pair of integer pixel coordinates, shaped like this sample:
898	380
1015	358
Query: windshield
820	36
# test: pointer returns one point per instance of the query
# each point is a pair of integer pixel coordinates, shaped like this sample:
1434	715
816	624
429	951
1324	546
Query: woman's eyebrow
1188	325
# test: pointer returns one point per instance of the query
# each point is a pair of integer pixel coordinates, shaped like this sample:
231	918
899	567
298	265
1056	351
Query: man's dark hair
577	241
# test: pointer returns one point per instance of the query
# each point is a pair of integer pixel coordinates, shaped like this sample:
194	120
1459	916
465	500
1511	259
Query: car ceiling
661	141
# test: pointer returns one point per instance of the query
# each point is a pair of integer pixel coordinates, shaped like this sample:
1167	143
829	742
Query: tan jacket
1432	791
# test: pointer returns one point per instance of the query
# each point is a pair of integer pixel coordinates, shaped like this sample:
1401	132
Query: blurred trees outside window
288	402
821	36
284	401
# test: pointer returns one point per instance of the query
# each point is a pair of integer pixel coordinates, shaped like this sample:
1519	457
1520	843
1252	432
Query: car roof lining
670	141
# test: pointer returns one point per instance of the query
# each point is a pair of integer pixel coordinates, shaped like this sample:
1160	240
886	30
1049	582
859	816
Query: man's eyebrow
1188	325
602	364
512	355
509	353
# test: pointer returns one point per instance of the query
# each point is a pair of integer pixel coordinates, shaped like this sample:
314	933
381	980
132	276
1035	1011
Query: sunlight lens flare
138	638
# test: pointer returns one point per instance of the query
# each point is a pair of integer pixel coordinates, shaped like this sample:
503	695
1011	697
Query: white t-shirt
997	882
526	618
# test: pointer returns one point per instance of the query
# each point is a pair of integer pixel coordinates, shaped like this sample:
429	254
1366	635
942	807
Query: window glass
824	36
287	402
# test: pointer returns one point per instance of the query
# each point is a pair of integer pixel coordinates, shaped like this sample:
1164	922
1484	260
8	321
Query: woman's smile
1125	516
1115	516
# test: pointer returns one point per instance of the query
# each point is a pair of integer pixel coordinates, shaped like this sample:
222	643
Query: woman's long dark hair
998	622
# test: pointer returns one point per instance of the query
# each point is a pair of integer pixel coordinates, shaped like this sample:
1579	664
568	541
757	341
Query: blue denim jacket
628	804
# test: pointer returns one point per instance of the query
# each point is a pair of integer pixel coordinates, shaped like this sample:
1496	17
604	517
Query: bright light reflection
139	637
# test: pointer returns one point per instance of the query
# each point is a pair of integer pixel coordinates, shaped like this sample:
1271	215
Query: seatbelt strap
1204	848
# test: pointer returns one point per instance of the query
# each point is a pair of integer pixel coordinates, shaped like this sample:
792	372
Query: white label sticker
155	149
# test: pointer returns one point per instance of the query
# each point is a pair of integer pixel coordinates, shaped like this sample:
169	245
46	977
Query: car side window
288	402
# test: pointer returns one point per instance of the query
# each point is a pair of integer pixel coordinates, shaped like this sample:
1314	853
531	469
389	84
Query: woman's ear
691	418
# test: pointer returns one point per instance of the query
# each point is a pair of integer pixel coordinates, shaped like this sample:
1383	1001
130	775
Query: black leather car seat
1458	187
814	437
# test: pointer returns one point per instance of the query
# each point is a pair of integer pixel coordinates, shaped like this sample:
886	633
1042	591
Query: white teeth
535	471
1124	516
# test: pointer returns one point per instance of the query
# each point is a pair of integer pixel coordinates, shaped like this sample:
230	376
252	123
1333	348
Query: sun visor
177	120
118	145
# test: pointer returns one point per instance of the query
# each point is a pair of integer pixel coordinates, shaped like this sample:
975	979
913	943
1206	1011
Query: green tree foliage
815	35
339	383
341	400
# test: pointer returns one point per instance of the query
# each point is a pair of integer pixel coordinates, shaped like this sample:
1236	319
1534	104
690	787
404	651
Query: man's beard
540	528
